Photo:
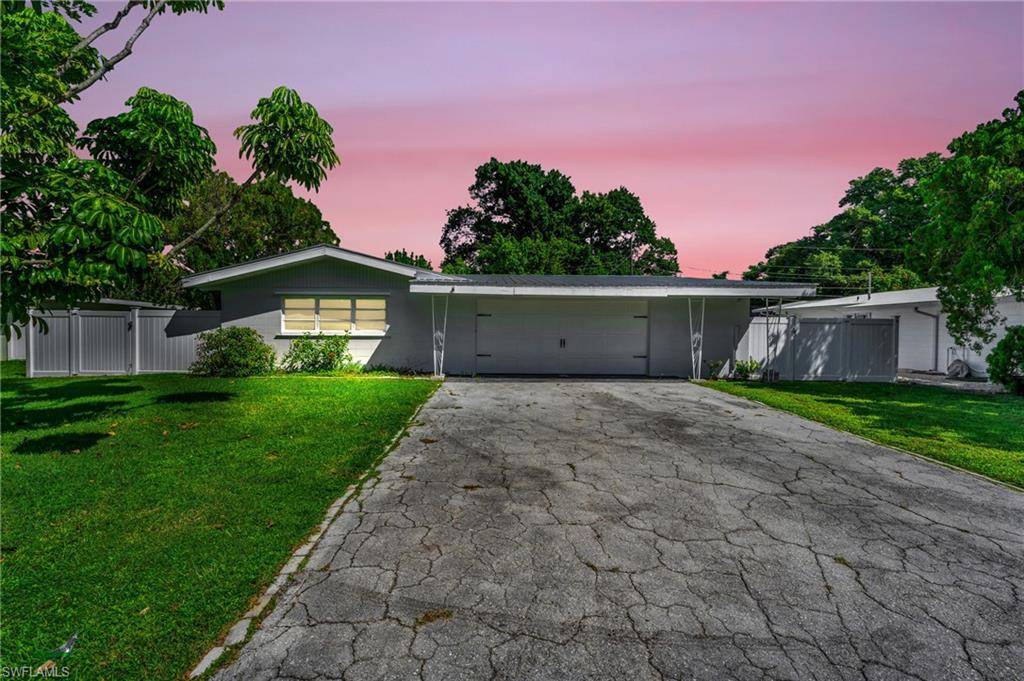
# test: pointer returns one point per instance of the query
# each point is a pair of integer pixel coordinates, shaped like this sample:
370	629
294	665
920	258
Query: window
334	315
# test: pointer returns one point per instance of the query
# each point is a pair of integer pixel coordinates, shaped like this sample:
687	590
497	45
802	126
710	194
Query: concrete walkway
648	530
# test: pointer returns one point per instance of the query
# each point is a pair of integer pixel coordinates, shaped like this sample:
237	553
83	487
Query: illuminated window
334	315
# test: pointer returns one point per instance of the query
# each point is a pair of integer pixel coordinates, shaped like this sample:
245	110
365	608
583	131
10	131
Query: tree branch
214	219
107	65
103	29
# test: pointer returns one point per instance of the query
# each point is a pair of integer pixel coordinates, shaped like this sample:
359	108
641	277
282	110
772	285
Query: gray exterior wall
256	302
725	321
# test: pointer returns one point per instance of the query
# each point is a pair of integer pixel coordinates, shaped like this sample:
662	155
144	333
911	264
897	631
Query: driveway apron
537	529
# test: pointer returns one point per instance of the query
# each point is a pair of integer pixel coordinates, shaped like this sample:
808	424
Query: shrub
233	351
1006	361
318	354
715	369
745	368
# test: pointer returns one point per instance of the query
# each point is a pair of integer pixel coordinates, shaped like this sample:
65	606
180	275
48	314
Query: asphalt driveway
647	530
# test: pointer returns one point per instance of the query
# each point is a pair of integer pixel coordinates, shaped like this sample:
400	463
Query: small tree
1006	361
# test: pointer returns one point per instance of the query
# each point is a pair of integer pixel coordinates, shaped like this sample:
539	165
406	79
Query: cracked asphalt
649	530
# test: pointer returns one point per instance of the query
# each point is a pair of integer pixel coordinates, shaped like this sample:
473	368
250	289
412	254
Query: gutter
937	316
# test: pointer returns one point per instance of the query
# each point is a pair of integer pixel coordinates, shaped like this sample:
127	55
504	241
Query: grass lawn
982	433
145	513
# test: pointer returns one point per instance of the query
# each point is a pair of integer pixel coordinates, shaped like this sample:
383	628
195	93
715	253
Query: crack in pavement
650	530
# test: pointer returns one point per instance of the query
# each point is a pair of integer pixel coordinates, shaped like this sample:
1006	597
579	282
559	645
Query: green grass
981	433
145	513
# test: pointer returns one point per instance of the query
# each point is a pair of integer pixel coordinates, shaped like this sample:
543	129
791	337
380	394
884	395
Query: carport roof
606	285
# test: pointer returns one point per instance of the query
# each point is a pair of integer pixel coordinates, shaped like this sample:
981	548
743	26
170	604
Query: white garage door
537	336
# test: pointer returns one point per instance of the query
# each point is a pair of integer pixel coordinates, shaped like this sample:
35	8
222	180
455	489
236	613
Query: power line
836	248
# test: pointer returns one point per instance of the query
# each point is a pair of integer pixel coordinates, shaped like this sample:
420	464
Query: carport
627	325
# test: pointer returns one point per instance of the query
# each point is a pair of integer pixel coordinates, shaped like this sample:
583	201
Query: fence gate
115	342
826	349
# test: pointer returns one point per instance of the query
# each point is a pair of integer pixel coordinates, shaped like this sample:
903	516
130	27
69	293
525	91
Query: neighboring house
924	342
402	316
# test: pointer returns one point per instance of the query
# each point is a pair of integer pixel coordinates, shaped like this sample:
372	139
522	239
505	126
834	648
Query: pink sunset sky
738	125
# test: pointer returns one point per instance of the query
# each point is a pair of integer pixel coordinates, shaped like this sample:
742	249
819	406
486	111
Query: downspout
936	317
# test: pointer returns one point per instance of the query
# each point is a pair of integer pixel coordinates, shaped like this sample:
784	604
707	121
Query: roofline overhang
207	280
613	291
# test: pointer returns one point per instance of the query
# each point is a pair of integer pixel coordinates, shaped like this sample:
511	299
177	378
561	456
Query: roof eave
612	291
212	279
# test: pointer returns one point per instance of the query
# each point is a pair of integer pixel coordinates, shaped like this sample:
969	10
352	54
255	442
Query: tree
409	258
525	219
972	245
75	227
881	210
267	220
73	224
287	141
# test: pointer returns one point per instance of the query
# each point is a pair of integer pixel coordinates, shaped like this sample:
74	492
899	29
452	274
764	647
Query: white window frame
352	330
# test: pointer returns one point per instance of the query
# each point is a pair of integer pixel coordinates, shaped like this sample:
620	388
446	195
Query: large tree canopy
267	219
972	245
869	237
525	220
955	221
75	227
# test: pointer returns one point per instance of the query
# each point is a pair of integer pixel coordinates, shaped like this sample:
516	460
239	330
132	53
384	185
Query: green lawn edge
979	433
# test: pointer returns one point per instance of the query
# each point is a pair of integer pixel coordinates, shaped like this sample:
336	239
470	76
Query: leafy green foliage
268	219
233	351
318	354
526	220
71	225
1006	361
745	368
981	433
881	211
409	258
972	245
157	144
288	140
146	512
77	228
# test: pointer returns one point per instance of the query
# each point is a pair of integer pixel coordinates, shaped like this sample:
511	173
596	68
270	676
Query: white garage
561	336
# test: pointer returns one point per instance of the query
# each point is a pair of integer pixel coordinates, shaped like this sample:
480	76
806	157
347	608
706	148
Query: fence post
896	347
74	342
846	350
30	345
133	341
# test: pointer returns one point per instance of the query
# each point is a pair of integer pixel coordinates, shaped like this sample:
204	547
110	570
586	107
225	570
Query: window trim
352	330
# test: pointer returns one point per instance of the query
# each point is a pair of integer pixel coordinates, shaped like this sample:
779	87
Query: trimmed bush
233	351
1006	361
318	354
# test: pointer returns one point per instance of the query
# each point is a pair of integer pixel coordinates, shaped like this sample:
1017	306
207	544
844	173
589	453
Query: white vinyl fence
834	349
104	342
